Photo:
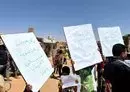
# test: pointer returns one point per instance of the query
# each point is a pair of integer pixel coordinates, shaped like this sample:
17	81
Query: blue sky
50	16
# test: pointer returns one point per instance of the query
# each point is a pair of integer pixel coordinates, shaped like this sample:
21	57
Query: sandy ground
51	85
18	85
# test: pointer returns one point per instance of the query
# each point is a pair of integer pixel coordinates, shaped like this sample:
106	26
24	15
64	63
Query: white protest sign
109	36
82	45
29	58
70	81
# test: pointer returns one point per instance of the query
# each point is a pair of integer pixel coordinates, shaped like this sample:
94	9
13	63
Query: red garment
102	65
108	86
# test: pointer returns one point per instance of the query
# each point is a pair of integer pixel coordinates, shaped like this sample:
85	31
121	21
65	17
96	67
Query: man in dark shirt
118	72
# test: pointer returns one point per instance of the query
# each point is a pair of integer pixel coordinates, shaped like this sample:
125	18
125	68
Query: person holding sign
69	82
86	79
118	72
65	79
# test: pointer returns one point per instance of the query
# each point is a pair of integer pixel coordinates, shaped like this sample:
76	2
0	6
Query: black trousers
59	69
3	70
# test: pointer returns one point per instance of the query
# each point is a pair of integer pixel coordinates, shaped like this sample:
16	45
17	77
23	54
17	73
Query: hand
28	88
76	81
52	65
72	62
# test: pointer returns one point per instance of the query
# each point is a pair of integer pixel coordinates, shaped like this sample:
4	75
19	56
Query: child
69	82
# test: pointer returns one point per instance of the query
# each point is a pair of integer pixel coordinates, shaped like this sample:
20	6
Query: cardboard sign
109	36
29	58
82	45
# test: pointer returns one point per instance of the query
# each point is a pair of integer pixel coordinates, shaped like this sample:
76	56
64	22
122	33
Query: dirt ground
18	85
51	85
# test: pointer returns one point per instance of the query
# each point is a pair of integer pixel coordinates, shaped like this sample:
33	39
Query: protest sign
70	81
82	45
109	36
29	58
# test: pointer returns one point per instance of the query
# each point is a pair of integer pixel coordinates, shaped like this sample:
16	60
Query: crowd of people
112	75
106	74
